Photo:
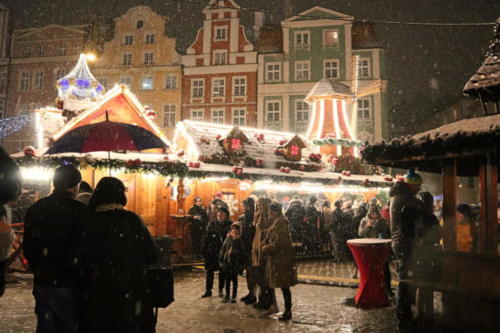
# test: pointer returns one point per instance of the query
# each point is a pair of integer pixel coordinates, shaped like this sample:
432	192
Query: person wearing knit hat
414	180
52	230
232	260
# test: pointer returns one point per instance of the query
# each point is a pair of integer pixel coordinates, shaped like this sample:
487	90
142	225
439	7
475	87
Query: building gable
51	32
318	13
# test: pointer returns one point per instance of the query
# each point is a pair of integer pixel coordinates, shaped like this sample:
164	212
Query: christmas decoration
260	138
259	163
388	179
285	169
302	168
149	112
339	142
238	171
29	151
13	124
315	157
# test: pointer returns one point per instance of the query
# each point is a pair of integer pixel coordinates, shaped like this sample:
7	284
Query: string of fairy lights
309	16
13	124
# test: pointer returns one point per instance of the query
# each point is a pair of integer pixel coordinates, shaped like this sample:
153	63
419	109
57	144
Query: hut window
295	150
235	143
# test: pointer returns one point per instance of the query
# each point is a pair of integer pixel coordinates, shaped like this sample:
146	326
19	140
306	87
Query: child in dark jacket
232	260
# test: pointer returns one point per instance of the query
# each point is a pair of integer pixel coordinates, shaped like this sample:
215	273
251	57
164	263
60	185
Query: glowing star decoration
80	83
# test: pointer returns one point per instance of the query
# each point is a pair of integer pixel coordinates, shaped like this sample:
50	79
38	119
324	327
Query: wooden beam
450	204
488	214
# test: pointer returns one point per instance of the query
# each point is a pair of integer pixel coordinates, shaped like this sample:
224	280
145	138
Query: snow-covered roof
204	142
328	88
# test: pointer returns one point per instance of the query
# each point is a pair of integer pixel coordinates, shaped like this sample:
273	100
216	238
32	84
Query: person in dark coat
198	219
84	192
247	221
311	226
232	259
296	214
337	232
214	238
116	249
405	212
52	233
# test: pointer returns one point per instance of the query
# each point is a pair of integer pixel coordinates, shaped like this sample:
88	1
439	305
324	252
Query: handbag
161	286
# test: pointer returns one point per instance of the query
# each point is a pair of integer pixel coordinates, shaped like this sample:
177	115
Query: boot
250	300
207	293
287	315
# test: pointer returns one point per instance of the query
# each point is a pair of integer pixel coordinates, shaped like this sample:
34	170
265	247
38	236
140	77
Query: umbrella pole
109	160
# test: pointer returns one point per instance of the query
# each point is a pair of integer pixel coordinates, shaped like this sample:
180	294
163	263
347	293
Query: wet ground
316	308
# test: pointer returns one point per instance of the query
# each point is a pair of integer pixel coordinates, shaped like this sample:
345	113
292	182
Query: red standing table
371	255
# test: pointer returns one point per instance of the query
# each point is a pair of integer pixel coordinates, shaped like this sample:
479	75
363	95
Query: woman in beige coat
281	269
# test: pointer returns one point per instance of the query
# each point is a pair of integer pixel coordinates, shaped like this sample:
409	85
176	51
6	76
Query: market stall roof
121	105
464	139
326	88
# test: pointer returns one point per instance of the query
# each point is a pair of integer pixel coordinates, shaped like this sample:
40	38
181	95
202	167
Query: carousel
112	133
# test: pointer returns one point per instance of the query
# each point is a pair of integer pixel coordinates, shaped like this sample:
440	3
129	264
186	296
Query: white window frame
239	86
128	40
364	70
217	116
274	110
149	38
331	69
24	81
299	110
302	74
197	115
218	87
223	33
38	80
336	37
27	52
239	116
127	59
147	83
301	44
365	110
40	51
149	58
220	57
171	81
272	72
60	72
169	115
196	87
78	48
61	50
126	80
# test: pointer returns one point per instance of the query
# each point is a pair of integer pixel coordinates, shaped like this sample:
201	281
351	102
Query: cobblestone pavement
316	308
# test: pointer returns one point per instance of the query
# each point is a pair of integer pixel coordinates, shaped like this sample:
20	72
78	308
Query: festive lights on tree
13	124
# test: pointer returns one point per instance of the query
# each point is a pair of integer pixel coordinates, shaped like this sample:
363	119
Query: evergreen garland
338	142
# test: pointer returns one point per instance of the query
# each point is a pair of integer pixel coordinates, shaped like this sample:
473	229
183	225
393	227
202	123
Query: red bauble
282	142
388	179
259	163
218	137
180	153
190	164
29	151
302	168
196	164
129	163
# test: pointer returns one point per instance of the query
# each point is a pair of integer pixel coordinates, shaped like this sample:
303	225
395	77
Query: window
40	51
197	115
239	86
294	150
331	69
61	72
364	68
139	24
301	111
24	109
127	80
2	109
147	83
239	117
127	59
330	38
302	40
128	40
364	109
171	82
169	115
218	87
235	143
197	88
220	57
221	33
61	51
273	111
218	116
27	52
273	72
104	82
24	81
150	39
38	84
3	82
148	58
302	70
78	48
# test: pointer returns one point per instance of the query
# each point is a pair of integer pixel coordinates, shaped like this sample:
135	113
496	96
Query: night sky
416	55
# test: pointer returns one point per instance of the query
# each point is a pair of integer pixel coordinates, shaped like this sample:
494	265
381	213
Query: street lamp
91	57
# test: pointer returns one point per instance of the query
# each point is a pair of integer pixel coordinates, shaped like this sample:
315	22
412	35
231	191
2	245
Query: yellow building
141	56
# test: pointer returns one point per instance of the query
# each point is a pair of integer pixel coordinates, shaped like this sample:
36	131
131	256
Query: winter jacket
295	213
312	215
327	219
116	249
214	238
198	219
281	269
405	213
232	256
337	221
52	233
378	227
261	225
247	222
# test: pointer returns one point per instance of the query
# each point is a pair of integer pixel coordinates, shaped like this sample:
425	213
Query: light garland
37	174
313	188
13	124
340	142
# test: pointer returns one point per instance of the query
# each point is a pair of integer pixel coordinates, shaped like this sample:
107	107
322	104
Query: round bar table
371	255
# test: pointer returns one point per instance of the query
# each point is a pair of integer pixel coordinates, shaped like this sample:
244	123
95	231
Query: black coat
216	233
295	213
52	232
116	248
233	256
248	232
198	225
